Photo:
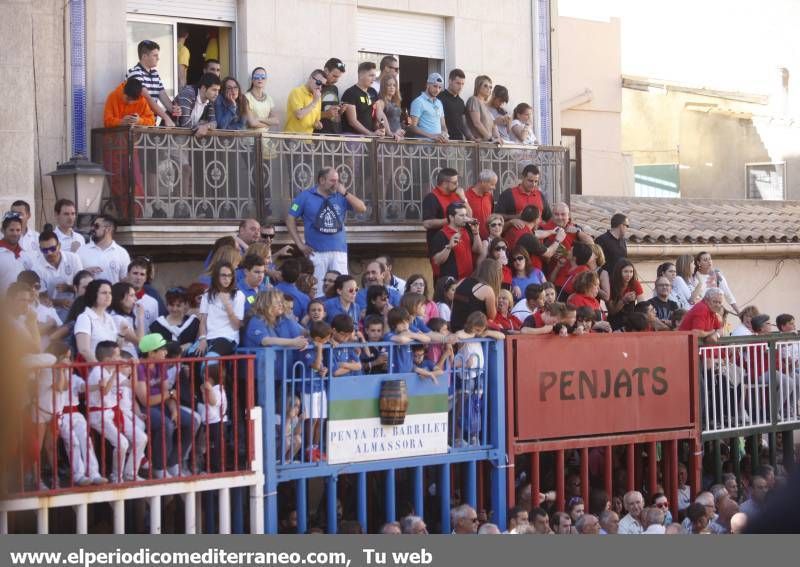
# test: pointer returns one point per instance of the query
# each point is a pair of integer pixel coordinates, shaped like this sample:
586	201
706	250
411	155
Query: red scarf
140	293
462	251
16	249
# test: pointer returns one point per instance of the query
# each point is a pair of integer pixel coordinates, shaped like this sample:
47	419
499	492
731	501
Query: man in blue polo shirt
250	279
323	209
426	117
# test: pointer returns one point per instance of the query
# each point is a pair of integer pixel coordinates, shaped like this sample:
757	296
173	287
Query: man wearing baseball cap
427	113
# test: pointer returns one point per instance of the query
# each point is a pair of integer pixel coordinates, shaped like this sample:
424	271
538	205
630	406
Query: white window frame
174	22
777	165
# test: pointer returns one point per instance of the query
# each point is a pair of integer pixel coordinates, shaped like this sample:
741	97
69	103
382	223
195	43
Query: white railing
189	490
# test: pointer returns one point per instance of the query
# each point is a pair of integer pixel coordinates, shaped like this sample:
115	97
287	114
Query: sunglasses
318	82
259	77
501	249
394	68
48	249
494	224
519	258
176	290
662	505
267	236
12	215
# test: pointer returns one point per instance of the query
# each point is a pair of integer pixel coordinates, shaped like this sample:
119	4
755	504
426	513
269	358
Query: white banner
356	440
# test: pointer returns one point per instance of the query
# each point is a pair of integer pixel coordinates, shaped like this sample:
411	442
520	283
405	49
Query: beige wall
593	66
495	41
712	147
770	284
17	115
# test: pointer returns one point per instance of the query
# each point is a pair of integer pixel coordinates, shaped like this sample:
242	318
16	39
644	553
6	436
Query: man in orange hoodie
126	105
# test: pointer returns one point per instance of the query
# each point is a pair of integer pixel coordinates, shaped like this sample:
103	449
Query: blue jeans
163	435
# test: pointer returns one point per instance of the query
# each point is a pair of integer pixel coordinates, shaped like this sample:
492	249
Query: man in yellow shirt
304	105
183	57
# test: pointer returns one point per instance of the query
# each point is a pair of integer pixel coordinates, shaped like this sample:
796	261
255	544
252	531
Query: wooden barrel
393	402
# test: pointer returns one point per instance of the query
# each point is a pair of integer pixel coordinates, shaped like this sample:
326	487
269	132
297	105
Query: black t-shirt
533	245
431	209
613	249
330	97
363	102
454	110
664	309
450	266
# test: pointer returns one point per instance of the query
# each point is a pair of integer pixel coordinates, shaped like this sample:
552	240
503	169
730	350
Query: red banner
600	384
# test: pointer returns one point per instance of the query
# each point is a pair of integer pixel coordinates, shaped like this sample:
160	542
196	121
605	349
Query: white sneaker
132	478
174	471
99	480
83	481
160	473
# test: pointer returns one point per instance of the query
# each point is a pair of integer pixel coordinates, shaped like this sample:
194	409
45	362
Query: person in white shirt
213	412
221	313
95	324
634	504
390	279
137	277
745	328
59	396
12	260
66	214
29	240
706	276
56	269
104	386
103	257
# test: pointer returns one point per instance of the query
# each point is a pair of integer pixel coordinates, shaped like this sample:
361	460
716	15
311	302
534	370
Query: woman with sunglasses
344	299
479	117
660	501
498	250
262	107
494	224
221	312
524	272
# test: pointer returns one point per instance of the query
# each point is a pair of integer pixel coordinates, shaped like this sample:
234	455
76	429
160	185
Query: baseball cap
435	79
151	342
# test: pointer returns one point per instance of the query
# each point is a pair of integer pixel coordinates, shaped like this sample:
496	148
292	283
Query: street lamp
81	181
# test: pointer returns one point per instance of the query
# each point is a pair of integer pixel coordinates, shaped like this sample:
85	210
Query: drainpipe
77	49
541	18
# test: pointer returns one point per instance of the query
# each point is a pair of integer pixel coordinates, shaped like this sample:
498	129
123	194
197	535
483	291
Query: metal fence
750	385
462	416
92	438
160	174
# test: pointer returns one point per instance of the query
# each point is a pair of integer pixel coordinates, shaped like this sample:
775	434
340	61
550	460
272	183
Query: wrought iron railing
167	173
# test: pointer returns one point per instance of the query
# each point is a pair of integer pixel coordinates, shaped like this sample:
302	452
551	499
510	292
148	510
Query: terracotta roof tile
692	221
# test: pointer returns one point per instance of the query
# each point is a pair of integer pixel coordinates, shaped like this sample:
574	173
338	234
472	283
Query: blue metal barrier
471	393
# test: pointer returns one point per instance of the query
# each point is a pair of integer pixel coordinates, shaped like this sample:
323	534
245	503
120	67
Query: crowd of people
371	107
501	264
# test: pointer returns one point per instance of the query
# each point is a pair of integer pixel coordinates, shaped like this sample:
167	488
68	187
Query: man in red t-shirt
705	318
512	201
435	203
481	200
452	248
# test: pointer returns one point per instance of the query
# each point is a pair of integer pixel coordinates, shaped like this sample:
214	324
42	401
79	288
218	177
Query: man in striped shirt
145	70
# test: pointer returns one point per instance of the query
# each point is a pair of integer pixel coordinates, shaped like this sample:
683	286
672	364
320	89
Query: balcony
201	187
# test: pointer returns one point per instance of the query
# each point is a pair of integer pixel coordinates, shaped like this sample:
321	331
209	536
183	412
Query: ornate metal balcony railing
166	173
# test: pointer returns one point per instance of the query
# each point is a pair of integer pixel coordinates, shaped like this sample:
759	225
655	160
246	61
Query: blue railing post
362	500
330	493
472	484
265	391
497	393
391	511
419	491
444	496
302	505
